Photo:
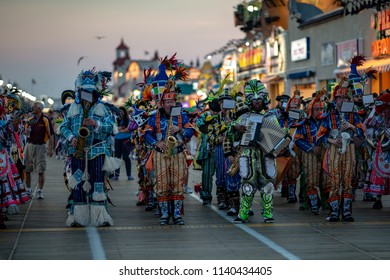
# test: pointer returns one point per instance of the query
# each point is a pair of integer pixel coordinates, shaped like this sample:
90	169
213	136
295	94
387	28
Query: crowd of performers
331	143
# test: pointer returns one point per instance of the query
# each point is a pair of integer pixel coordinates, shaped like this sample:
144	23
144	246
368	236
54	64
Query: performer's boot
164	213
334	211
347	210
234	203
245	206
291	196
205	196
177	207
267	205
314	203
150	202
222	203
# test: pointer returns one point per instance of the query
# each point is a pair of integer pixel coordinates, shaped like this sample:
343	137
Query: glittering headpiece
93	82
255	89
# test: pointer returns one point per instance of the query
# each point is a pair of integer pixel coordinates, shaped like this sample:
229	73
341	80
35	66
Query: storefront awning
300	75
381	65
271	78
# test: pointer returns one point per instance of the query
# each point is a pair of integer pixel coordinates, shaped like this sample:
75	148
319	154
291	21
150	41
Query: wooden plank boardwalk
38	232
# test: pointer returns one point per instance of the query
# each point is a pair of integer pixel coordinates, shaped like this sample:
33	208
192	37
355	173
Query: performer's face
168	104
358	99
340	100
257	104
317	111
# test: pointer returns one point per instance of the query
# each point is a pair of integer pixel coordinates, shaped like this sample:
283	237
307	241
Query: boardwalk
38	232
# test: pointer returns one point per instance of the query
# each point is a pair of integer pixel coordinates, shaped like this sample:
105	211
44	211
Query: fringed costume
88	153
378	129
257	169
340	159
311	152
167	134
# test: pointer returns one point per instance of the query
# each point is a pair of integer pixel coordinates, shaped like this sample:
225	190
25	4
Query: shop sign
380	47
381	21
250	57
345	50
300	49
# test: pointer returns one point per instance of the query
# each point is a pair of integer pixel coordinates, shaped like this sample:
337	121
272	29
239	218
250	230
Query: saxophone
82	135
170	141
235	164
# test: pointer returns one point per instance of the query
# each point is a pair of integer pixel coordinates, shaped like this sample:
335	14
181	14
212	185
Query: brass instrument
170	141
344	136
82	135
235	164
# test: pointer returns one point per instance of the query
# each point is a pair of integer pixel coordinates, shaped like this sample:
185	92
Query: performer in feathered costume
143	151
86	127
12	191
166	133
356	85
312	149
336	130
293	104
205	155
232	153
257	169
378	128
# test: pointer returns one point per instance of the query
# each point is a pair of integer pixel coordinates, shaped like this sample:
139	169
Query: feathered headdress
163	85
341	89
148	78
223	91
93	82
318	101
356	82
296	99
236	90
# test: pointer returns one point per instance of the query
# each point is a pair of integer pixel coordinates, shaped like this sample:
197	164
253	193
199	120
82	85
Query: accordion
271	138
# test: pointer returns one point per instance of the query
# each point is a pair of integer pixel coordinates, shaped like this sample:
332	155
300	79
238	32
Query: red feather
170	63
370	73
357	59
147	93
147	75
181	73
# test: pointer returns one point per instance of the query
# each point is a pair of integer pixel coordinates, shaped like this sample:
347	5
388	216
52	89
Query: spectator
123	143
39	131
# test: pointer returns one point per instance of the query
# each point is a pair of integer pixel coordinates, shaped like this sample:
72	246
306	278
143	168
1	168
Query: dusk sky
43	39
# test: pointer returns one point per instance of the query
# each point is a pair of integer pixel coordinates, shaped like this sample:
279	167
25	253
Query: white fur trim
74	110
99	215
81	215
99	110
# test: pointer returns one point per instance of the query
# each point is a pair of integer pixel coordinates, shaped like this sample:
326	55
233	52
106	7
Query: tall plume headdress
357	81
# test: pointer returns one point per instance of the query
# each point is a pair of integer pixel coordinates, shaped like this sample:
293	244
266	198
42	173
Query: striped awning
381	65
